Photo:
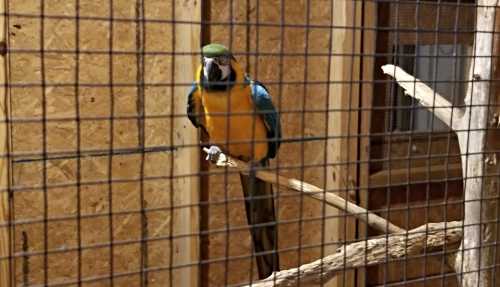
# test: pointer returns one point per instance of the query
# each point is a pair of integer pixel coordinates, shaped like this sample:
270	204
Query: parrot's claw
213	153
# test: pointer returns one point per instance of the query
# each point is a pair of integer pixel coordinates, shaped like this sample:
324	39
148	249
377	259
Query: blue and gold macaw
239	116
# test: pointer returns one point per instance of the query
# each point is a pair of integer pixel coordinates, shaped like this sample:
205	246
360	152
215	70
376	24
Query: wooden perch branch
428	98
430	237
315	192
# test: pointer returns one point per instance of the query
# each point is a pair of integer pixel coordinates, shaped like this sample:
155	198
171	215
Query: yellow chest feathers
231	122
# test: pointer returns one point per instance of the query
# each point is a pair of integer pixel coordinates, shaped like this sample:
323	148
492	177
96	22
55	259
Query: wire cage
387	172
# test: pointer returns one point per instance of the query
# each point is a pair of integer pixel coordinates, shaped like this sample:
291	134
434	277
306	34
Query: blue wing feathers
264	106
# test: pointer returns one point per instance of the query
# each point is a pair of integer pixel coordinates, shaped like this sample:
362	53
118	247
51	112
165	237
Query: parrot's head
216	63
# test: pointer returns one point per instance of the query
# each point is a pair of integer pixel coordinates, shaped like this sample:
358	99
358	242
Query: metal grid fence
104	180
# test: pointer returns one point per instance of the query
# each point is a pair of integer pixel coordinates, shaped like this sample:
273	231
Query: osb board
95	101
300	227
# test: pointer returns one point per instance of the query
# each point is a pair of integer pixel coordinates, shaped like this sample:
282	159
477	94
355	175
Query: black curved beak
213	72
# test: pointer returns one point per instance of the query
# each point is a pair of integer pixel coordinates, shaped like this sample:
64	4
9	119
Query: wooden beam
344	95
369	36
415	174
204	182
5	275
186	159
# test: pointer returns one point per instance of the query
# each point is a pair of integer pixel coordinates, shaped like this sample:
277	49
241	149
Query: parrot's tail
259	205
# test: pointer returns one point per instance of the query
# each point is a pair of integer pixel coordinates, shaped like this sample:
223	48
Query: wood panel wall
93	200
293	61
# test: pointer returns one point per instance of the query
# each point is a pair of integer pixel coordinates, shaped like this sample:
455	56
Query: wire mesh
104	181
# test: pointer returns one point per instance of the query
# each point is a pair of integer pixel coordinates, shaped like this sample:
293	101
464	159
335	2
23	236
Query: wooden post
472	140
4	162
493	138
344	94
369	36
186	159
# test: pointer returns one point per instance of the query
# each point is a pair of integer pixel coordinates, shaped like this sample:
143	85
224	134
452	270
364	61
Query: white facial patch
225	69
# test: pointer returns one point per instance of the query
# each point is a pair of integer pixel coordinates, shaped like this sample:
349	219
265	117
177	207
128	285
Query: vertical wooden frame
343	131
369	34
186	158
4	161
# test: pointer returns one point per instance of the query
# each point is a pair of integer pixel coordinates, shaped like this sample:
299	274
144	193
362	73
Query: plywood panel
112	189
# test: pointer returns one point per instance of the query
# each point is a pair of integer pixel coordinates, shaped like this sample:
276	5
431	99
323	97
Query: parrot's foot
213	153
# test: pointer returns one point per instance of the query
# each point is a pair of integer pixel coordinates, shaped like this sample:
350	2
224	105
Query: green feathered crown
215	50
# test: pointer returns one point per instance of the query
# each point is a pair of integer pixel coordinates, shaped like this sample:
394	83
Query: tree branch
476	255
428	98
429	237
313	191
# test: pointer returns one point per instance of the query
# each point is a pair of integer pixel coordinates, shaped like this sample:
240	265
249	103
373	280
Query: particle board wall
297	83
137	44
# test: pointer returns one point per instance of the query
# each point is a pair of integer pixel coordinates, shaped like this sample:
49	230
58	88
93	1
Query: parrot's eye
223	60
